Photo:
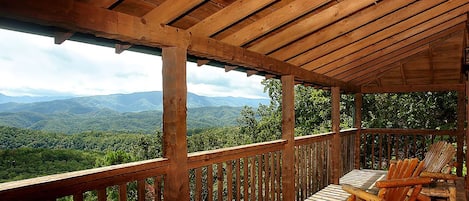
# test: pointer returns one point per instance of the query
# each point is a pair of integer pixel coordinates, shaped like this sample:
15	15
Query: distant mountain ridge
136	112
134	102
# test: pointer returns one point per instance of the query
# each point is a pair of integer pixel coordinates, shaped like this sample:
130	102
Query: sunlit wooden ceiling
353	44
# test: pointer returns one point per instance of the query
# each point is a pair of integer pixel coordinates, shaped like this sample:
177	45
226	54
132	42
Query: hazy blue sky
34	65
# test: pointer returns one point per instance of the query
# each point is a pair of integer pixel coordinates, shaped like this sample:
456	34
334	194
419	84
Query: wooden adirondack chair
402	183
438	163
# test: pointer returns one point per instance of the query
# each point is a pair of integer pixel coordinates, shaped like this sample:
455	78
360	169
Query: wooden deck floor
364	179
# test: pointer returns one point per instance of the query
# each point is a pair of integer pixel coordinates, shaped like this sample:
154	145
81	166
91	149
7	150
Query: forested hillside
124	136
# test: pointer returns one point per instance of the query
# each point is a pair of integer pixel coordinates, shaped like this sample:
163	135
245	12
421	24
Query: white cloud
34	65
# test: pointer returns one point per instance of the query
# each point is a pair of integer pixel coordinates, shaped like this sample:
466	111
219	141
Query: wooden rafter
392	44
378	70
337	29
342	43
272	21
170	10
404	79
311	24
378	61
461	5
227	16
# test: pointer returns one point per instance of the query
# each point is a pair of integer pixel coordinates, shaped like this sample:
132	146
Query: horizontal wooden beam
82	17
413	88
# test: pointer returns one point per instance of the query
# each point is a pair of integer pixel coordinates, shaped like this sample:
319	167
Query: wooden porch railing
100	181
248	172
379	146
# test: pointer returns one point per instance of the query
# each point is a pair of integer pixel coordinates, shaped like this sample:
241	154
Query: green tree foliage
312	113
23	163
411	110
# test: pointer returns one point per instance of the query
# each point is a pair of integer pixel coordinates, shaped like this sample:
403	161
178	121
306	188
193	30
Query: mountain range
136	112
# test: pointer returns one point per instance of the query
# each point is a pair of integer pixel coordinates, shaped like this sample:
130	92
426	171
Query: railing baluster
102	194
78	197
373	151
123	192
259	177
380	153
229	179
210	182
141	189
279	181
198	184
238	179
246	179
220	181
253	178
267	176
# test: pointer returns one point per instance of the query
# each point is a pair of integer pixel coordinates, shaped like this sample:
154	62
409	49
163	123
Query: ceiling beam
81	17
227	16
441	9
61	36
389	45
310	24
272	21
170	10
439	33
413	88
339	28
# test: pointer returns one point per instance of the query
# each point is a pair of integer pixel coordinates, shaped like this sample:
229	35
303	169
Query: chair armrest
360	193
394	183
438	175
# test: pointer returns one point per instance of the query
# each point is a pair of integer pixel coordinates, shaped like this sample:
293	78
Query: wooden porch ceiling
353	44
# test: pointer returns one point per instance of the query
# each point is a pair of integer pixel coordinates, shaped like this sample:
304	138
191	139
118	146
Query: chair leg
452	193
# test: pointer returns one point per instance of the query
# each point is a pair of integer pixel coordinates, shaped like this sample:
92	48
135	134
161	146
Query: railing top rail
408	131
68	183
204	158
308	139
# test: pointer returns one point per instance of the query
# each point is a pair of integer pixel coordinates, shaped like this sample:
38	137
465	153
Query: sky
32	65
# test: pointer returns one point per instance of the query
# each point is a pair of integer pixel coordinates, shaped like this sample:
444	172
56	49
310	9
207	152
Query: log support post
176	184
358	126
467	137
460	127
288	133
336	159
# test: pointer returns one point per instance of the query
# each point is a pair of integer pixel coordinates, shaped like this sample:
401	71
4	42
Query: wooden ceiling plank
339	28
413	88
389	45
440	33
311	24
393	30
170	10
363	32
272	21
379	69
227	16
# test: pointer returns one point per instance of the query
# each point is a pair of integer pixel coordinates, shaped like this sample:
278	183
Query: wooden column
176	184
460	138
288	133
358	126
467	138
336	159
